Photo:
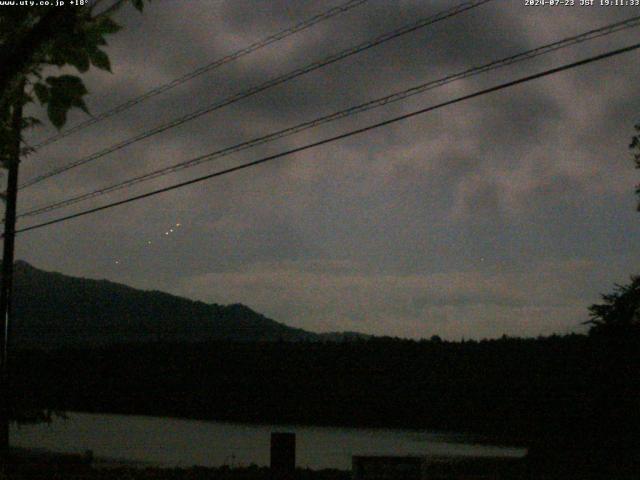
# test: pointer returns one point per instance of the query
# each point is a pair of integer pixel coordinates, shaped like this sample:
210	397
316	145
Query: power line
351	133
264	86
332	12
586	36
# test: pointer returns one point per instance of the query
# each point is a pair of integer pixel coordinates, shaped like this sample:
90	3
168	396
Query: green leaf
78	58
93	35
105	26
66	91
67	86
42	92
57	113
79	103
57	58
100	59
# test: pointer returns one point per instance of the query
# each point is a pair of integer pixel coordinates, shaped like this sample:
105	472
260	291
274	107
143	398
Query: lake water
185	443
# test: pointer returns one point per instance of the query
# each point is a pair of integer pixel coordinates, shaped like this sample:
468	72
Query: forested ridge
53	311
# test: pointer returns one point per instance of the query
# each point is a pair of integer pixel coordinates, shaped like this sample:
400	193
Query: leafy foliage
38	38
619	314
62	93
635	146
33	39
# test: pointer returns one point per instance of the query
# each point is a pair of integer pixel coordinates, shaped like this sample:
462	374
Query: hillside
55	310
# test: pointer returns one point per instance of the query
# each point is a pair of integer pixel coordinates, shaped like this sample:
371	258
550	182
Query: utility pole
6	282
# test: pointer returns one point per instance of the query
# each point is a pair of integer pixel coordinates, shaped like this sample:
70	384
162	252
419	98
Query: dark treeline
512	387
551	394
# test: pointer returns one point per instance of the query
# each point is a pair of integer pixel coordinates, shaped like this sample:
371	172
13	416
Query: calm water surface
176	442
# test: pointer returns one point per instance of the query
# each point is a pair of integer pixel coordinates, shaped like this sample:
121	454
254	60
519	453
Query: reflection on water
176	442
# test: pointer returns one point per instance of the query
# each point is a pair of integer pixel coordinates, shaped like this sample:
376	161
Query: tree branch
15	58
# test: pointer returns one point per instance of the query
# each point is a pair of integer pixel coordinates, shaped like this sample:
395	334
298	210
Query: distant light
171	230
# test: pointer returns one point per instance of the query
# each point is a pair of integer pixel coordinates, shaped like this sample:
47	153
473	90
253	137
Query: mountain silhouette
53	310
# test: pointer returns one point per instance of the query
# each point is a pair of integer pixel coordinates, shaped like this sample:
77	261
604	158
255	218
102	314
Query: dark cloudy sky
509	213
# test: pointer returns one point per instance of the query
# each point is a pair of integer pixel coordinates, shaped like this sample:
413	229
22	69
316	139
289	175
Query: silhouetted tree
619	314
635	146
37	37
614	425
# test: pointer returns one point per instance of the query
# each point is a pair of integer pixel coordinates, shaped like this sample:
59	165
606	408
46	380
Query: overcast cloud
506	214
